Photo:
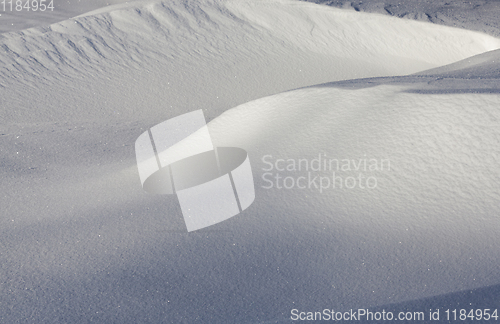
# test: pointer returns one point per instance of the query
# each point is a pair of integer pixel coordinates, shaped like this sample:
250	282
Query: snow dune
431	225
479	15
63	9
226	52
481	66
82	241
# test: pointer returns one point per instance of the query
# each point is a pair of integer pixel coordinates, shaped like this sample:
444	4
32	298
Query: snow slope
227	53
431	225
63	9
479	15
82	242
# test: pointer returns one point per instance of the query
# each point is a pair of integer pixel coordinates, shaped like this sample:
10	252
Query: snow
478	15
18	20
82	242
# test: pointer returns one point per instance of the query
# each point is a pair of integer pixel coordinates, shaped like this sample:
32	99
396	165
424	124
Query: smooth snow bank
367	37
479	15
482	66
429	227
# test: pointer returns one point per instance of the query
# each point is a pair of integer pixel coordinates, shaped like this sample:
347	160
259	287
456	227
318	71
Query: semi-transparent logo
177	157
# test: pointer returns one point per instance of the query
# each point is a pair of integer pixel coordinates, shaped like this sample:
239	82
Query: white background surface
81	241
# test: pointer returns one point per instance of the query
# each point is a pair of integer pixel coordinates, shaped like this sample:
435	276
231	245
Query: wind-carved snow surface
226	52
82	242
479	15
15	20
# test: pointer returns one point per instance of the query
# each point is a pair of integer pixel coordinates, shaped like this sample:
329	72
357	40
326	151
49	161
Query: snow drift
185	55
81	241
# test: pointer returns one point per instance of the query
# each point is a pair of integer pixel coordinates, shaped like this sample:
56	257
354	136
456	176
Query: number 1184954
26	5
